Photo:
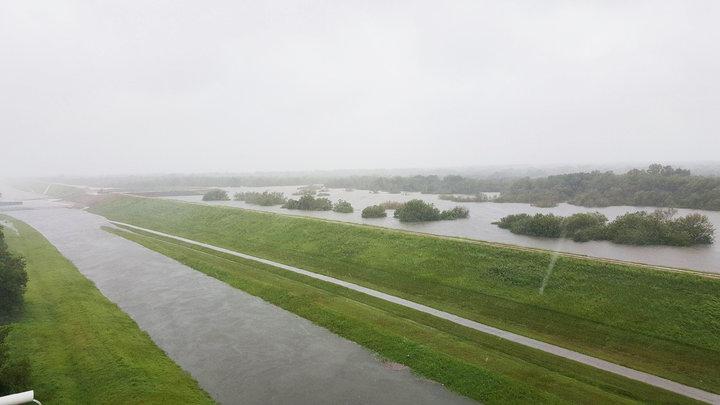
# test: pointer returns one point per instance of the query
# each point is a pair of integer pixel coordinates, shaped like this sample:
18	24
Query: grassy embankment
660	322
53	190
80	347
474	364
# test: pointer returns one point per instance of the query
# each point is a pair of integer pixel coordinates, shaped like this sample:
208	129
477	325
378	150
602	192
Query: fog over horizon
135	87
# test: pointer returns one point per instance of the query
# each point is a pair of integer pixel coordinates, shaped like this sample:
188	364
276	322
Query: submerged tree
634	228
343	206
417	211
266	198
216	195
455	213
374	211
309	203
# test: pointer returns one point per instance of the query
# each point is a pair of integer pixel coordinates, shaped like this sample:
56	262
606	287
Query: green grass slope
660	322
81	348
474	364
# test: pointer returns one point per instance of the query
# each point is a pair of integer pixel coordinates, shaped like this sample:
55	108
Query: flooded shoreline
479	225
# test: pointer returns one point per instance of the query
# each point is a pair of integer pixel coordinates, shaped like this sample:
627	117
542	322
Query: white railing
20	398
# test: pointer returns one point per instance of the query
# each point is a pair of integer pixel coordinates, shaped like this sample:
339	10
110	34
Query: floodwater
240	348
479	226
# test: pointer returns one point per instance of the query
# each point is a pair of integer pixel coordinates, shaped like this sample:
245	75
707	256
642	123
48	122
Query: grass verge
663	323
471	363
79	346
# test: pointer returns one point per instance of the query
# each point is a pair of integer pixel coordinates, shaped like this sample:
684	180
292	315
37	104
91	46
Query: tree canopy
657	186
266	198
216	195
660	227
374	211
343	206
309	203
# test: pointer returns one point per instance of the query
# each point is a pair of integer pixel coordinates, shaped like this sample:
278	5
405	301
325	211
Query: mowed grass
664	323
474	364
82	349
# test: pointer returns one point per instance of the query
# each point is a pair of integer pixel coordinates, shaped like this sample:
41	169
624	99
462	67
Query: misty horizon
245	87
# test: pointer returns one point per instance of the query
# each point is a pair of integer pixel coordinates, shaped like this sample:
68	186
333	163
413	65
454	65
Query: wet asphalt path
239	348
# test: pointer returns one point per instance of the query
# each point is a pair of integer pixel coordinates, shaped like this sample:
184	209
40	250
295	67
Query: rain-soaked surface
479	226
239	348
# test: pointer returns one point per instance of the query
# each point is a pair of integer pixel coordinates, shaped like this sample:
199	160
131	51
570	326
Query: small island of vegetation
374	211
635	228
309	203
343	207
420	211
266	198
216	195
391	205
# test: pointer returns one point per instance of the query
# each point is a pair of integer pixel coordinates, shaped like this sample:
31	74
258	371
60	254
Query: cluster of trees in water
656	186
374	211
415	211
660	227
216	195
306	202
309	203
412	211
266	198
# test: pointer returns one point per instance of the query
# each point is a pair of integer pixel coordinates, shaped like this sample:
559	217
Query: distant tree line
636	228
465	198
657	186
451	184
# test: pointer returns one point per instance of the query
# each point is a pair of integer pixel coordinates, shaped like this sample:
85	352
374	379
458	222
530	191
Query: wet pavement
239	348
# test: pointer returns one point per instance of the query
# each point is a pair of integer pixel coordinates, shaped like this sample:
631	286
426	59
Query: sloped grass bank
663	323
79	346
474	364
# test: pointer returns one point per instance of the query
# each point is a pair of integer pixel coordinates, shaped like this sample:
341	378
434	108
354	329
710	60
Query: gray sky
92	87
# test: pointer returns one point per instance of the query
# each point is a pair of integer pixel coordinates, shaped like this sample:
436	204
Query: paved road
536	344
239	348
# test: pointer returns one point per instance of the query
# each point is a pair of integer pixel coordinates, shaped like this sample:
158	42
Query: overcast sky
92	87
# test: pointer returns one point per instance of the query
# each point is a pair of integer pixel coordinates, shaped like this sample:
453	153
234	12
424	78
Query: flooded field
479	226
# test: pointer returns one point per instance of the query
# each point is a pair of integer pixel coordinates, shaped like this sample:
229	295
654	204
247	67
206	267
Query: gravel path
239	348
660	382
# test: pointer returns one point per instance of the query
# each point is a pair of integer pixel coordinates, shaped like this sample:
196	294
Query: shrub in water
417	211
374	211
343	206
216	195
